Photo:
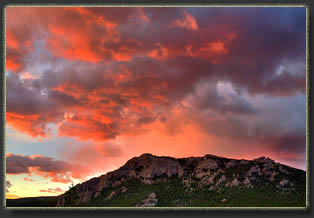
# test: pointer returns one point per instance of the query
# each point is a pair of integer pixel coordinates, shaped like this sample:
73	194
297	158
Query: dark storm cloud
22	98
208	97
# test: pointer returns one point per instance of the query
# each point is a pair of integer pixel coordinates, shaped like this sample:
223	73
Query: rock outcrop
151	201
210	171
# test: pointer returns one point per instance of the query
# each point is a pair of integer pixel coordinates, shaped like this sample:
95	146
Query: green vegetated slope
173	193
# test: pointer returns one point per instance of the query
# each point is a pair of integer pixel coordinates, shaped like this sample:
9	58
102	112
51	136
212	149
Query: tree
70	197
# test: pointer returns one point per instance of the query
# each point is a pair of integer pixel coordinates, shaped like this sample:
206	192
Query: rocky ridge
209	171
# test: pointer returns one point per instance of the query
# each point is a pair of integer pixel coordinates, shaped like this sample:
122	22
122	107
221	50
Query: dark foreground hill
49	201
209	181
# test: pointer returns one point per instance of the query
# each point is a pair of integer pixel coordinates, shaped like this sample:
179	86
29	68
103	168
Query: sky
88	88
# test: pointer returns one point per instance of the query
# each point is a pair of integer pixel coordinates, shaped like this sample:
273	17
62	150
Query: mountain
208	181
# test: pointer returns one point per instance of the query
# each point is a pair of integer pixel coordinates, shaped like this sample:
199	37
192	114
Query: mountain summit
149	181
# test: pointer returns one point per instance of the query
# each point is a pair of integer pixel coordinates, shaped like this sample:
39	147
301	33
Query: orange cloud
10	196
12	64
161	52
142	15
212	51
71	44
188	22
17	48
26	123
85	127
100	42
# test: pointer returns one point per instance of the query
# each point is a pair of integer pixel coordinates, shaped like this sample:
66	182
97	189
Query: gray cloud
47	167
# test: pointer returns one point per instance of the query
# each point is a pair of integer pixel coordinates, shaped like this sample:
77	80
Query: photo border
179	210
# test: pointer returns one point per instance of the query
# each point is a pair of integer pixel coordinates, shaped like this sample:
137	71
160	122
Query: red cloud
26	123
18	45
188	22
14	52
28	179
52	190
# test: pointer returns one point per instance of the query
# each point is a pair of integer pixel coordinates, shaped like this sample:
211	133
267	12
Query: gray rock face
264	160
221	180
247	183
124	189
235	183
207	164
273	174
205	167
86	196
284	182
151	201
231	163
254	171
244	162
267	162
149	166
283	169
144	167
209	179
113	193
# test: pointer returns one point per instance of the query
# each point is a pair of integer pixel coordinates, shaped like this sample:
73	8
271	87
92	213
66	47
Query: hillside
209	181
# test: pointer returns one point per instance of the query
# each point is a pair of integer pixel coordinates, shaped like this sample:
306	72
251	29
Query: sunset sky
89	88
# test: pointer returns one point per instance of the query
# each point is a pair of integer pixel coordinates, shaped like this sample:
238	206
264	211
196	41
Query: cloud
187	22
221	97
26	102
16	49
55	170
28	179
142	15
232	36
52	190
10	196
260	122
214	69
